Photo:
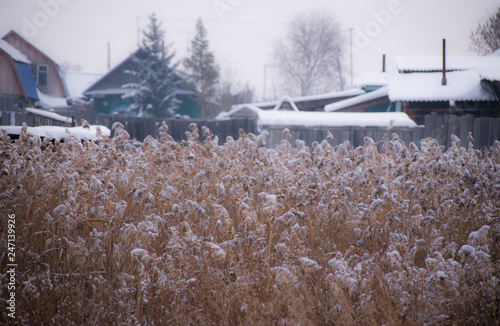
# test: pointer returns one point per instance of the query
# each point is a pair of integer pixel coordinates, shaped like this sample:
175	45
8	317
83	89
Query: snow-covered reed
197	233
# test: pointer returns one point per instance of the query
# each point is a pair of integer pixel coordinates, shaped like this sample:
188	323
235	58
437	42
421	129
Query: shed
466	92
286	119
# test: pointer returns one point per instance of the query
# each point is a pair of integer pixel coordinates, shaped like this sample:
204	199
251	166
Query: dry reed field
198	233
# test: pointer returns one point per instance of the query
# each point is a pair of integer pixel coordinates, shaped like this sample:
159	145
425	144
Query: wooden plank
453	128
484	132
430	125
445	136
492	134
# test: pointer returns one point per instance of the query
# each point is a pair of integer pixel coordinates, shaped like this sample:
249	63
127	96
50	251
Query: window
42	76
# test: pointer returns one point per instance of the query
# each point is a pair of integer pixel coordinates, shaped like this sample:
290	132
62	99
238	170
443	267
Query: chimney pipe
443	81
383	62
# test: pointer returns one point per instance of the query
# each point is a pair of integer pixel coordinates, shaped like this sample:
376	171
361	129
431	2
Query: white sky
78	31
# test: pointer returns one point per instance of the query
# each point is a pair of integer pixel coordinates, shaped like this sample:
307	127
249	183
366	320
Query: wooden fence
440	127
484	130
355	135
138	128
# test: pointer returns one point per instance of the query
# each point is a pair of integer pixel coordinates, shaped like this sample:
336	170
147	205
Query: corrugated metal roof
426	87
492	74
435	63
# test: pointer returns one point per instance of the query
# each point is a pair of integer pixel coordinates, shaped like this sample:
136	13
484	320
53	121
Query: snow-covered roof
117	91
376	94
78	82
55	132
345	93
491	74
14	53
51	101
267	118
461	86
371	79
435	63
288	100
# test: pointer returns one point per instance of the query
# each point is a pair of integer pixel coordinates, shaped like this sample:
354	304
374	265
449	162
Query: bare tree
486	38
231	90
309	58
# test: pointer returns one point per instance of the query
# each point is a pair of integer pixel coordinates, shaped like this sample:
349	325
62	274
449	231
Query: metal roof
26	79
435	63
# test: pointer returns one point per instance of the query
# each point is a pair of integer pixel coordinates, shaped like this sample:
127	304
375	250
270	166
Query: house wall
9	83
188	106
11	93
54	83
110	103
418	110
376	105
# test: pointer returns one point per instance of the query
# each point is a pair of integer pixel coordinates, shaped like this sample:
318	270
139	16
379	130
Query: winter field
198	233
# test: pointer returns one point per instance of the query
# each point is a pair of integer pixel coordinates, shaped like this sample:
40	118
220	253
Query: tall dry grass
198	233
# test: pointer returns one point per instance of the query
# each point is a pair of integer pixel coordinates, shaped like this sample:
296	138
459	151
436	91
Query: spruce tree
157	84
201	71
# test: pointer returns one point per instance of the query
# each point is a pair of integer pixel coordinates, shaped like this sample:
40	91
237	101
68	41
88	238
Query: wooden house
471	86
17	85
28	76
108	93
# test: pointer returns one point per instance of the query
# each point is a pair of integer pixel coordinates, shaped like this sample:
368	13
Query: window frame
42	69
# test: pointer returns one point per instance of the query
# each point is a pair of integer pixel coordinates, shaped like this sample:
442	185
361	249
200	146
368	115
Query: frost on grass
201	233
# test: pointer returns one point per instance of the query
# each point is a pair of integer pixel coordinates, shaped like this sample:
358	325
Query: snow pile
88	132
187	233
51	101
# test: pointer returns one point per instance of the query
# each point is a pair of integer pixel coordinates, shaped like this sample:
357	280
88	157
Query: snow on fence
484	130
50	115
35	117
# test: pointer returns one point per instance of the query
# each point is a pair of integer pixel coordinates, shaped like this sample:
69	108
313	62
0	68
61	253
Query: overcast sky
241	32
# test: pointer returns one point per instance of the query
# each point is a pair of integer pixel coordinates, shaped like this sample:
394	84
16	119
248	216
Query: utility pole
109	56
351	30
264	86
443	81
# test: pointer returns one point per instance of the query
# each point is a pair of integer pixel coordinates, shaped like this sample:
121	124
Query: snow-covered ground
200	233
